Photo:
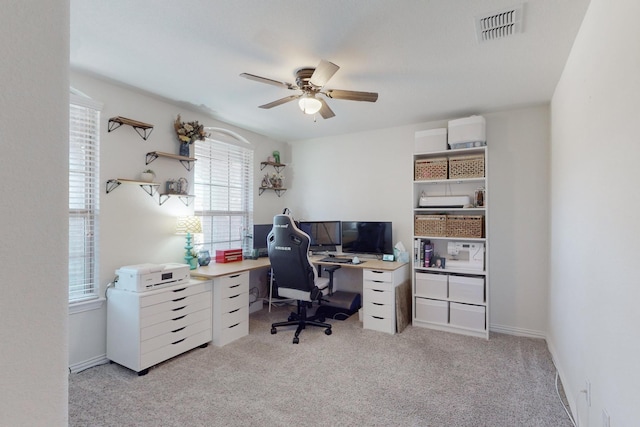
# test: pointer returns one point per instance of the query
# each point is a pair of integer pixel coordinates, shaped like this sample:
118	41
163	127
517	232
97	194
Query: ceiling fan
310	82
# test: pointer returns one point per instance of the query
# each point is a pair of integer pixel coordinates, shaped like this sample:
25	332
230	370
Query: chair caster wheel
273	331
296	340
327	331
321	319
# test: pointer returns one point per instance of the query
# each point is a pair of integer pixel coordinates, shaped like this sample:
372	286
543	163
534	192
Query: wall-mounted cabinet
450	246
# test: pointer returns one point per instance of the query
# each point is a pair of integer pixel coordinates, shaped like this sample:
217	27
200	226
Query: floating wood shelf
185	198
187	162
278	191
149	187
278	166
140	127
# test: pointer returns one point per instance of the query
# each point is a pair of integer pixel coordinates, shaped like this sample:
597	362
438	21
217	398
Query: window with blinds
223	186
84	149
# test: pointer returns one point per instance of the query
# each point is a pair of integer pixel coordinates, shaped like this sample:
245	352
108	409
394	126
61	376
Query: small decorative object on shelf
276	156
276	180
203	257
147	175
183	186
173	187
188	133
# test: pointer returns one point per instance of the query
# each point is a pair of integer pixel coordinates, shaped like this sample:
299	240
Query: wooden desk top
214	269
368	263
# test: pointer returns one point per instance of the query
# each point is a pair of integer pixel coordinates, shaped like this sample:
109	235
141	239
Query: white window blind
223	186
84	149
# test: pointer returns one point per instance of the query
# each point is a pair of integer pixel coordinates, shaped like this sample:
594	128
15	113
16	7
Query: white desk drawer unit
379	298
230	308
146	328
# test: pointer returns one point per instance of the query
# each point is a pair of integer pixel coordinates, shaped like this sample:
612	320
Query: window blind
223	186
84	149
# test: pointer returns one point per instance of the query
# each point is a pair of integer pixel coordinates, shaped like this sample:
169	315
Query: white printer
145	277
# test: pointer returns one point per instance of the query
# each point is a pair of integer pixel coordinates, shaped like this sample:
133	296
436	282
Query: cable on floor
562	401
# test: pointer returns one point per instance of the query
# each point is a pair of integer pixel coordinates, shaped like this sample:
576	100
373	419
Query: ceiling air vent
499	24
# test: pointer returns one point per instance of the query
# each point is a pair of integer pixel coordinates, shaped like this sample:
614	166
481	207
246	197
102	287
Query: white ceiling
421	56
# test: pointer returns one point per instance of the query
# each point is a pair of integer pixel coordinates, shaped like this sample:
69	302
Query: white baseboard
96	361
521	332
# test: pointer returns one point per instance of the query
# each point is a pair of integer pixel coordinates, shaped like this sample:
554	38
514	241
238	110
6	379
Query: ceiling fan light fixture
309	104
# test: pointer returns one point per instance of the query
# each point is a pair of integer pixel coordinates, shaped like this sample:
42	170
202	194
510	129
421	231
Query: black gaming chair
288	249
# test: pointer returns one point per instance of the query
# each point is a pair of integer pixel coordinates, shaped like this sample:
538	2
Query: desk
380	283
230	304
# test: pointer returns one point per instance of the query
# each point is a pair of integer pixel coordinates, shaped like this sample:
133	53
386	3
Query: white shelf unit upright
454	298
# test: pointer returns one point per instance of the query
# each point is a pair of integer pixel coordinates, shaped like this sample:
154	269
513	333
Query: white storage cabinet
451	299
146	328
230	308
379	298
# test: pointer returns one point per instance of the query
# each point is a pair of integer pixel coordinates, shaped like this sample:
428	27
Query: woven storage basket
434	168
431	225
465	226
466	166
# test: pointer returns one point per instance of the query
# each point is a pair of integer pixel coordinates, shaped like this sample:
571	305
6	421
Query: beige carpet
354	377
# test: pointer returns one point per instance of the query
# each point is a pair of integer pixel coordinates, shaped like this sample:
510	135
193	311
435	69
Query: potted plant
147	175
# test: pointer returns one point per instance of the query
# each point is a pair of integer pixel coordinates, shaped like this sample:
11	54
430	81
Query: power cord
562	402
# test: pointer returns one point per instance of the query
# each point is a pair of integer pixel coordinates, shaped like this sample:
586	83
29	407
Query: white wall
134	228
595	153
34	173
368	175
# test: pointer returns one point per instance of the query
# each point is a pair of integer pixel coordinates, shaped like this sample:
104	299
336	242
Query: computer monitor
260	233
367	237
325	235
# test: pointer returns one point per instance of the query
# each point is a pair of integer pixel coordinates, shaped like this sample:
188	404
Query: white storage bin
431	285
466	289
431	140
467	316
429	310
467	132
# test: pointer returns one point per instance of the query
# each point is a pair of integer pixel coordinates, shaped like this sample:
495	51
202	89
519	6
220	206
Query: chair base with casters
301	320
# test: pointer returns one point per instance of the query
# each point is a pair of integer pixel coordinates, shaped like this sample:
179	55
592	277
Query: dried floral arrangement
189	132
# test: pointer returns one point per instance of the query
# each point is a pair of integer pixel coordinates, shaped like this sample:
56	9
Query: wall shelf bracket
143	129
185	198
187	162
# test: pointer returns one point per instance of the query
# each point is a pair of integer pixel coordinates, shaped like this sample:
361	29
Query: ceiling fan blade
280	101
352	95
268	81
325	111
323	72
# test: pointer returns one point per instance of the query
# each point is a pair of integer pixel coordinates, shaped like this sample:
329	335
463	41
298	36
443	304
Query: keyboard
336	260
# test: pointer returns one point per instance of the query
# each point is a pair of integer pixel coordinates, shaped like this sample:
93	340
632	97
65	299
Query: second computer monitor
325	235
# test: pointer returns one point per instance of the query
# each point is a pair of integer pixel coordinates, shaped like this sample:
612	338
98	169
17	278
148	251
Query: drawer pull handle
376	271
178	330
179	308
234	286
376	290
233	326
234	296
178	299
178	342
233	276
181	317
377	281
234	310
179	290
376	303
376	317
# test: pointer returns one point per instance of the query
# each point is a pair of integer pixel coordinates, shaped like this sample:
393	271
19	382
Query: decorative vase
184	149
203	257
147	177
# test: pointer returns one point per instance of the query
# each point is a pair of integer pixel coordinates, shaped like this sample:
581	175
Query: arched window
223	186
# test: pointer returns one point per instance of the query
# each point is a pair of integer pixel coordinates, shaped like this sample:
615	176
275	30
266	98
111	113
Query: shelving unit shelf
149	187
277	166
278	191
454	298
185	198
187	162
140	127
